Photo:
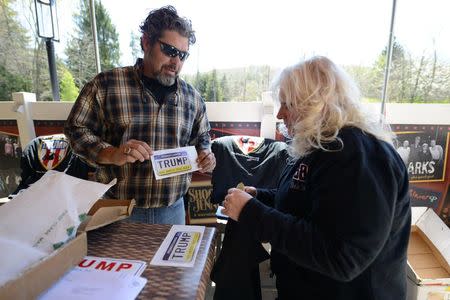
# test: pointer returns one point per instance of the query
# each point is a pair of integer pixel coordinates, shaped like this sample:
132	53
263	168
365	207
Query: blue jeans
173	214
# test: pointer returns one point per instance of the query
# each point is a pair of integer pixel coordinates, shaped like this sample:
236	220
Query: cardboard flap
416	213
428	249
107	211
436	231
412	275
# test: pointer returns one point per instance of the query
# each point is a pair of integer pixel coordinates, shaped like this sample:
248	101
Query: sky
232	33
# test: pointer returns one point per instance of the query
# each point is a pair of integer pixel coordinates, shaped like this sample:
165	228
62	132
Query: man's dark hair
166	18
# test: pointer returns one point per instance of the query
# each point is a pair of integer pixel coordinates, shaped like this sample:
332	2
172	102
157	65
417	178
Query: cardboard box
428	256
41	275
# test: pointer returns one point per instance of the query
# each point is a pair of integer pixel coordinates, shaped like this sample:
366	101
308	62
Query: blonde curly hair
324	99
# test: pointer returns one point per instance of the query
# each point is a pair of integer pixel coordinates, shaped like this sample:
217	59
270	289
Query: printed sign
423	149
199	197
10	153
133	267
99	278
424	197
52	151
180	247
173	162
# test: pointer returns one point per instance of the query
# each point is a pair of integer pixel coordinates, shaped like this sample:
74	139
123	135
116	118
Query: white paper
173	162
220	214
45	216
180	247
24	256
79	285
112	265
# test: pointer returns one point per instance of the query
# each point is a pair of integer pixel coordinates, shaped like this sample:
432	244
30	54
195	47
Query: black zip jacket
339	223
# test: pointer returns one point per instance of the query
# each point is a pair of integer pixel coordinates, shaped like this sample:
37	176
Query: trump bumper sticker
173	162
180	247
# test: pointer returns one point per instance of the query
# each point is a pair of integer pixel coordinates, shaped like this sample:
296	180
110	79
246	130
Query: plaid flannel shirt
115	107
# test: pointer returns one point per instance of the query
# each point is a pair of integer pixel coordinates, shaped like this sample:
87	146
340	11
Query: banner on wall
10	153
219	129
445	211
424	197
423	148
44	127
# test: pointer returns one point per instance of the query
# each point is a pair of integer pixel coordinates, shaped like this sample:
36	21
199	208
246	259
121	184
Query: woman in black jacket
339	220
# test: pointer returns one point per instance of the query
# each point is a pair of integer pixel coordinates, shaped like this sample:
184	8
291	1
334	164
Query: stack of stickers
100	278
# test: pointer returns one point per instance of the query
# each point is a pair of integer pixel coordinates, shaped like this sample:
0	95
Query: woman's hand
251	190
234	202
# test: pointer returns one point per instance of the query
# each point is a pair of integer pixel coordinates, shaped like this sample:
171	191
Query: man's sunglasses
172	51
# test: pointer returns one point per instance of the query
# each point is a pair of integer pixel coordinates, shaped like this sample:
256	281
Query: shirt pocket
120	114
184	123
115	131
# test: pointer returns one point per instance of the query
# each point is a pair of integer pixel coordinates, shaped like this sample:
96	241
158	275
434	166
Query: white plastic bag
47	214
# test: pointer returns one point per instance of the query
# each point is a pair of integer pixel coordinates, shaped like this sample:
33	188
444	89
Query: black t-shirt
159	91
51	152
253	161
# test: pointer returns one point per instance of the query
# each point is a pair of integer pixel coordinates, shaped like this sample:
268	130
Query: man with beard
123	115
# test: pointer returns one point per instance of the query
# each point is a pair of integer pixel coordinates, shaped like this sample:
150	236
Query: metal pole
52	68
388	60
94	35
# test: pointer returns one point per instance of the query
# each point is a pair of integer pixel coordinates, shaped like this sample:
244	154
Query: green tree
81	59
67	87
15	62
212	87
38	66
108	38
224	88
361	74
200	84
80	49
10	83
397	79
40	71
135	45
412	79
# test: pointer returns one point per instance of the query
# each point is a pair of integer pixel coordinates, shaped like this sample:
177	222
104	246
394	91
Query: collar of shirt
139	76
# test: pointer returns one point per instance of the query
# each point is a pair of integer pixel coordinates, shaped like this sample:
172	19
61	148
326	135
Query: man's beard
166	80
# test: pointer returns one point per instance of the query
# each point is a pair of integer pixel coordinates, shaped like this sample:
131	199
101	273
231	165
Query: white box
428	256
44	273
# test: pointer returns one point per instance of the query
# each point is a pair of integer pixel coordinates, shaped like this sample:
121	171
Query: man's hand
206	161
130	152
234	202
